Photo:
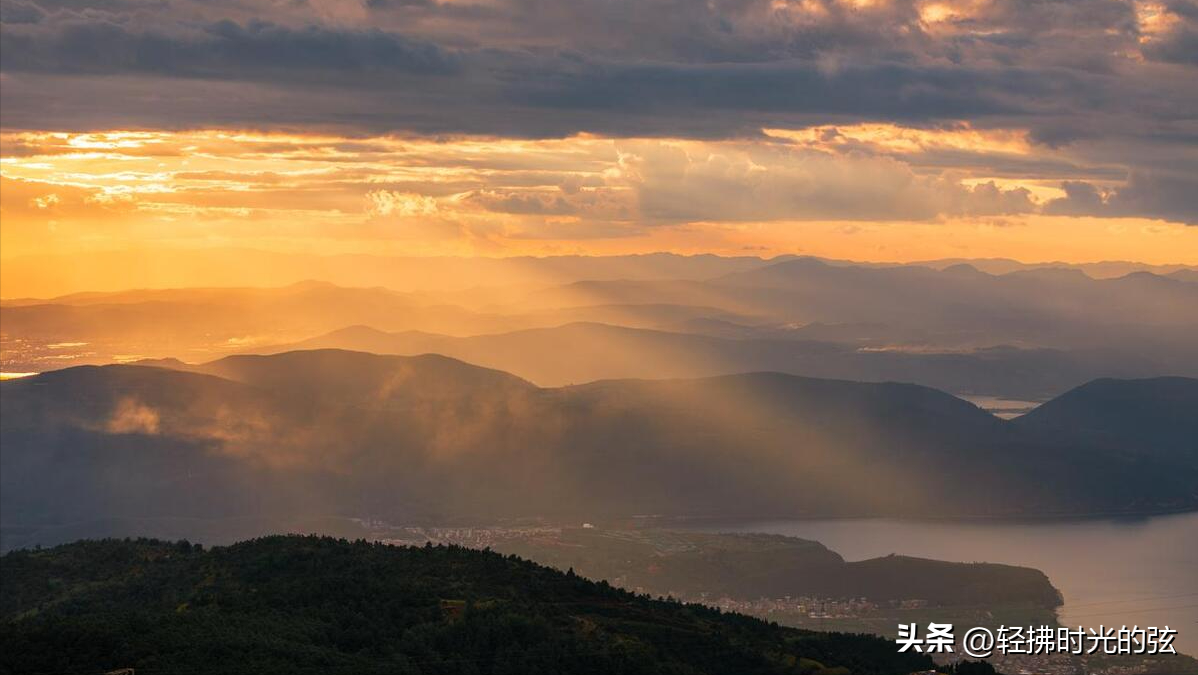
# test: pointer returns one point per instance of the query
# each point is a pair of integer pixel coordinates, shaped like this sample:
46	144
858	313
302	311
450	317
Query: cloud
1174	38
1080	198
393	203
523	202
69	43
20	12
1168	197
609	204
542	68
248	188
694	182
1100	89
132	417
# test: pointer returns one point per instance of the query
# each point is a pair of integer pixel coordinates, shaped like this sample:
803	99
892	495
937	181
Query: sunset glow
874	130
935	193
563	337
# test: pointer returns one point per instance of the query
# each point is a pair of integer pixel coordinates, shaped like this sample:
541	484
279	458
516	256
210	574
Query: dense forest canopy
315	604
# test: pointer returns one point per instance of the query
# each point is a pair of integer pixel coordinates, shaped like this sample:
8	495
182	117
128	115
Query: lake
1110	570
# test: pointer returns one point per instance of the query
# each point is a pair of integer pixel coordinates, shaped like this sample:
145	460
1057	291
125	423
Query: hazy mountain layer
204	323
351	434
576	353
40	276
1025	334
957	305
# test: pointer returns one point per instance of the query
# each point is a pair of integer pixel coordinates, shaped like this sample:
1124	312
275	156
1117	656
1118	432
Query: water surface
1111	571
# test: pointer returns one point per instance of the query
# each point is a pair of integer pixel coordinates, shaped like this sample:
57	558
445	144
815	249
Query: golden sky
882	130
862	191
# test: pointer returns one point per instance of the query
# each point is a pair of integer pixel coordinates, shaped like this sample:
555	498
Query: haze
572	280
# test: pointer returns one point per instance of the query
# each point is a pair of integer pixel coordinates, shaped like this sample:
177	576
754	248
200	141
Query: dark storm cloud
106	45
17	12
1072	72
1179	46
1081	199
605	66
1178	42
1145	194
878	91
472	91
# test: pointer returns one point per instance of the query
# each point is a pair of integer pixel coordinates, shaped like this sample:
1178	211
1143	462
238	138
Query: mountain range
1025	334
331	432
584	352
958	305
40	275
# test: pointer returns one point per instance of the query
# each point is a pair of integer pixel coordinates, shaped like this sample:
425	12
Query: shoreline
981	518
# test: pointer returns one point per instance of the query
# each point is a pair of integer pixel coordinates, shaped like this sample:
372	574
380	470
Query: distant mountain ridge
174	268
583	352
165	268
402	438
1028	333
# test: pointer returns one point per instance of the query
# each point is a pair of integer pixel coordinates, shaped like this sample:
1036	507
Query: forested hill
431	438
751	566
320	605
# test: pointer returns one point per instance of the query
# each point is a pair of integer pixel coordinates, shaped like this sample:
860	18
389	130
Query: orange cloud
865	191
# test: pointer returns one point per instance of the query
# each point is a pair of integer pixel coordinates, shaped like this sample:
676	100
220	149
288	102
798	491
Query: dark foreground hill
752	566
409	438
1155	417
320	605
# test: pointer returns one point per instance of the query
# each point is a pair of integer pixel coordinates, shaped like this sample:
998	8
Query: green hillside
314	604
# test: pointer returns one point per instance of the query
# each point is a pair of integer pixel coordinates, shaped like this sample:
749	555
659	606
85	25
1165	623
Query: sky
858	129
